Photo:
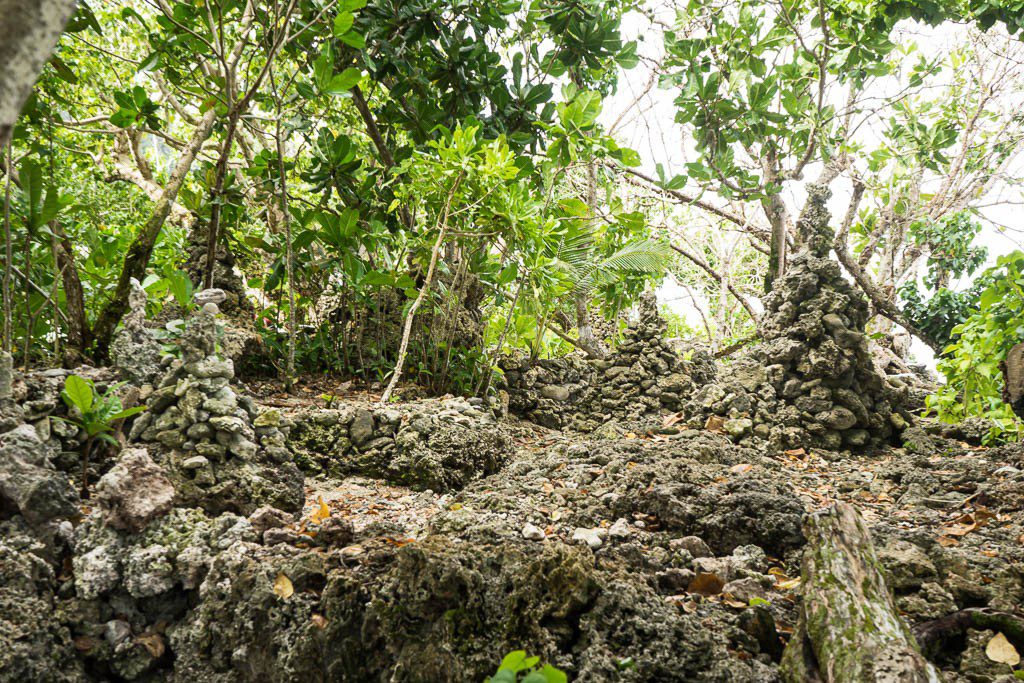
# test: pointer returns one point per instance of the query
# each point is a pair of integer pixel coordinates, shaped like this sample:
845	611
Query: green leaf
514	661
63	71
341	84
353	39
127	412
375	278
78	393
342	23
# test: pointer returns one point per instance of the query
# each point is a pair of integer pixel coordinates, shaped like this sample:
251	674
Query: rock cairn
813	381
644	376
222	453
134	351
32	490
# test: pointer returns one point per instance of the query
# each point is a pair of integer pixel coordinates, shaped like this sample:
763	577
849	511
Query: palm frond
643	256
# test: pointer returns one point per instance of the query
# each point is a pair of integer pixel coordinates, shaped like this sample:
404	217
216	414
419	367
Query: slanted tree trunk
1013	379
421	297
79	336
849	630
141	249
28	33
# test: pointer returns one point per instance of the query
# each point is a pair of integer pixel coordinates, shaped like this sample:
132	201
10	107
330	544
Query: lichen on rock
211	441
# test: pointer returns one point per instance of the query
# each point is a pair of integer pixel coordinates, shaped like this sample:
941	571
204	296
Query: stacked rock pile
134	351
222	453
437	445
643	377
813	381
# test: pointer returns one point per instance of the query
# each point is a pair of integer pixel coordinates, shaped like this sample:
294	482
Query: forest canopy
410	190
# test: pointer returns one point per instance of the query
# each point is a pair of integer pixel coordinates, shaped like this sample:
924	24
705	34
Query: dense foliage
410	189
971	362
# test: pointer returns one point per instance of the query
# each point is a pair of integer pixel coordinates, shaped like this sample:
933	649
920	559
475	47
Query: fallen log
848	630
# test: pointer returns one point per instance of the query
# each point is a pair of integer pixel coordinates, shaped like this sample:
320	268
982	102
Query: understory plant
516	667
970	364
94	413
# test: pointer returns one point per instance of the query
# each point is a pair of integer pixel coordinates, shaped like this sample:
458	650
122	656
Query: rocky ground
242	535
655	554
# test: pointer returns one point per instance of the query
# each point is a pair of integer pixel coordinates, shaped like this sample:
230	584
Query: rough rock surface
35	502
221	453
622	554
134	351
438	445
643	377
134	491
812	382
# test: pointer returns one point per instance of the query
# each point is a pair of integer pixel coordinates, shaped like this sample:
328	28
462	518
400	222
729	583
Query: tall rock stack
221	453
812	382
134	351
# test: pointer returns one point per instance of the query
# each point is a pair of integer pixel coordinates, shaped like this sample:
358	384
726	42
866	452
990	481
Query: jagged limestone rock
134	351
205	435
135	491
34	645
812	381
642	378
434	445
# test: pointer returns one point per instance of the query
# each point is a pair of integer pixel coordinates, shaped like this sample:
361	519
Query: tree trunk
213	229
137	259
588	341
777	212
289	368
28	33
421	297
79	336
849	630
1013	379
8	253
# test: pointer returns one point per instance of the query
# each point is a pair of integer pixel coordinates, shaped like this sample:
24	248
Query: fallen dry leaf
715	423
741	468
1001	650
706	584
398	542
788	585
153	643
283	587
322	512
84	643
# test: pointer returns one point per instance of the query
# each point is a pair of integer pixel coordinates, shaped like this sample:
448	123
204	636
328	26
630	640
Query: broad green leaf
78	393
342	23
341	84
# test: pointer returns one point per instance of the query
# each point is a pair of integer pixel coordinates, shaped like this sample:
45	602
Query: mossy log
849	630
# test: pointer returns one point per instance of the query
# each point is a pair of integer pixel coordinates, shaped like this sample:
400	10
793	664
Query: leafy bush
516	667
95	414
939	314
974	382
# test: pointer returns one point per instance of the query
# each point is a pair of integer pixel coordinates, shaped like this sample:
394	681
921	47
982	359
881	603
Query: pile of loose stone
812	382
222	452
644	376
437	445
36	503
